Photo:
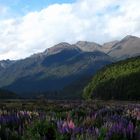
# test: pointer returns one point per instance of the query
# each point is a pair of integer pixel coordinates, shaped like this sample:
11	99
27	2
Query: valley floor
69	120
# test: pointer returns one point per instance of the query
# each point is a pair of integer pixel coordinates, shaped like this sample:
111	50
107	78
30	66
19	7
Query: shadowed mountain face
5	94
53	69
57	68
5	64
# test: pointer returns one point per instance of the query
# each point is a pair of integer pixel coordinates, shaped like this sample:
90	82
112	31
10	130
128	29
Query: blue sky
31	26
22	7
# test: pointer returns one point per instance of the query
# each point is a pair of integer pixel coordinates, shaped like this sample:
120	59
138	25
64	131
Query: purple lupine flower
130	129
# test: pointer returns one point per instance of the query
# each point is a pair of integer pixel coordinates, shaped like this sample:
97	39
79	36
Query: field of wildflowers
70	121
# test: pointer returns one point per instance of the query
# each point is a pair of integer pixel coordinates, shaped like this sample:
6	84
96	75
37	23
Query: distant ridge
57	68
126	48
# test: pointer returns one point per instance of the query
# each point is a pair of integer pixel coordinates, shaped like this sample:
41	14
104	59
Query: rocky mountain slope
4	64
52	70
59	67
126	48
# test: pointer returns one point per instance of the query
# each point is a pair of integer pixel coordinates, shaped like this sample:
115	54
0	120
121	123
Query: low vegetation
37	120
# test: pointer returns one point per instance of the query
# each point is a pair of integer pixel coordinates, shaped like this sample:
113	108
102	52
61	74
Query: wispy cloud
92	20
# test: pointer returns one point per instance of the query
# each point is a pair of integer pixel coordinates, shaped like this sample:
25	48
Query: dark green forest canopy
5	94
120	81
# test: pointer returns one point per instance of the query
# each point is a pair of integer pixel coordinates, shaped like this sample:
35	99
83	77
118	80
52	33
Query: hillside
61	68
5	94
52	70
4	64
118	81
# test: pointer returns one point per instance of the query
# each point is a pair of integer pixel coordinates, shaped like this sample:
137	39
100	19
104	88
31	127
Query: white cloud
92	20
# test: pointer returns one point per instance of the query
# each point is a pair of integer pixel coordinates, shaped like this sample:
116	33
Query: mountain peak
88	46
83	43
128	47
64	44
5	63
129	37
58	48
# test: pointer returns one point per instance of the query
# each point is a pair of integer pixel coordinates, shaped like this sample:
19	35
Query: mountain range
63	69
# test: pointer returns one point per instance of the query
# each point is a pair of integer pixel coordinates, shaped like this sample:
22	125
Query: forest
117	81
